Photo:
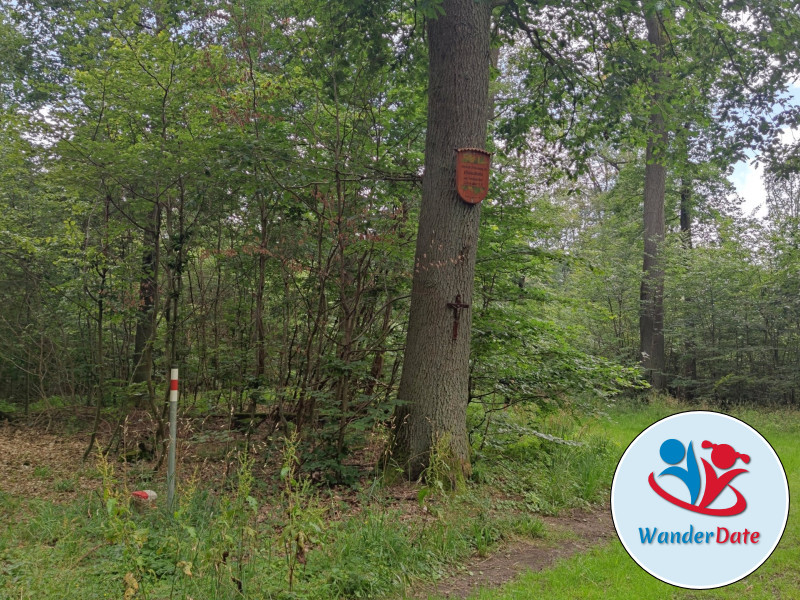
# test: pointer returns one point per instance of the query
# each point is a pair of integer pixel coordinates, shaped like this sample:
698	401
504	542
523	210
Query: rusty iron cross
457	306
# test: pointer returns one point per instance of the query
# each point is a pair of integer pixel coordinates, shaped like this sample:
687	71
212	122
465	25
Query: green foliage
237	179
443	474
430	9
303	517
607	570
243	180
529	337
546	464
589	81
739	327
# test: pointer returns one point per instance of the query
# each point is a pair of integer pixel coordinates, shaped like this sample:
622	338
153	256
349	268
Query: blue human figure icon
672	452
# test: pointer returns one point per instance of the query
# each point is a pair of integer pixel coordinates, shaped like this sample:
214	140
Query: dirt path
569	533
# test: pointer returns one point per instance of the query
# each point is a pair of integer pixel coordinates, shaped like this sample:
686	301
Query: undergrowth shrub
546	463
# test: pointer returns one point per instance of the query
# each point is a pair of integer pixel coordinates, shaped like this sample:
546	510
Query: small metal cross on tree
457	306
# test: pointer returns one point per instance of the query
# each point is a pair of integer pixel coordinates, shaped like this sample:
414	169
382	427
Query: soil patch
34	464
567	534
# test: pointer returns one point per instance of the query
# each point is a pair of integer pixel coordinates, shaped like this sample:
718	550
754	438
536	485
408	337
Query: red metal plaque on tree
472	174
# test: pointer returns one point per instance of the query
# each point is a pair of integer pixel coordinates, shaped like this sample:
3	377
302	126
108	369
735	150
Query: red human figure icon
724	457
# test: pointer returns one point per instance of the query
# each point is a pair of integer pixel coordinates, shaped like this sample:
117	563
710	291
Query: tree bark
148	290
686	214
651	314
100	301
434	383
689	361
261	330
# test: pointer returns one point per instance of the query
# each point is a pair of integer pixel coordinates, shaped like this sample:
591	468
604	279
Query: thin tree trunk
148	285
376	370
689	366
177	260
686	214
101	293
435	380
256	392
100	364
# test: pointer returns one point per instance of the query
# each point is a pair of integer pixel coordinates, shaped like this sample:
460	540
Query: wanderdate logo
723	457
699	500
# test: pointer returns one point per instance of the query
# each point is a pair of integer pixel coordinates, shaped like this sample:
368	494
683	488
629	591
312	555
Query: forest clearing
331	299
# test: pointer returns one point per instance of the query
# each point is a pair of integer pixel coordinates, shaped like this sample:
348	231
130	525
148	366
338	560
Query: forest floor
36	464
44	462
374	543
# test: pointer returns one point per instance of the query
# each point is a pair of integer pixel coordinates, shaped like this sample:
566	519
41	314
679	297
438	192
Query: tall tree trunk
148	285
146	318
100	350
176	261
434	383
651	313
689	361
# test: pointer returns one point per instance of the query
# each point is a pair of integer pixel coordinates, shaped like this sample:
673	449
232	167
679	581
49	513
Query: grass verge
608	572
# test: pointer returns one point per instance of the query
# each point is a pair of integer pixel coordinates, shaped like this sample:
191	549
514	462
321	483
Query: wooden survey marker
472	174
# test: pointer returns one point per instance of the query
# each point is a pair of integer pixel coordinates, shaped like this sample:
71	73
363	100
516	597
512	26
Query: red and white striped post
173	435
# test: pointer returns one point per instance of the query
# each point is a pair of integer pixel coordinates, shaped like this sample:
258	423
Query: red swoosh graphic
737	508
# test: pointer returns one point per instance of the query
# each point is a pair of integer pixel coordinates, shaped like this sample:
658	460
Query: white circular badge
699	500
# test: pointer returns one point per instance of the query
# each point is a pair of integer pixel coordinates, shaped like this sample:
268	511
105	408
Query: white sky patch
750	186
747	179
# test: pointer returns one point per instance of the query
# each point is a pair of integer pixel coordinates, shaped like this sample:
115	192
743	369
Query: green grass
248	542
301	543
608	571
85	550
542	476
255	541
